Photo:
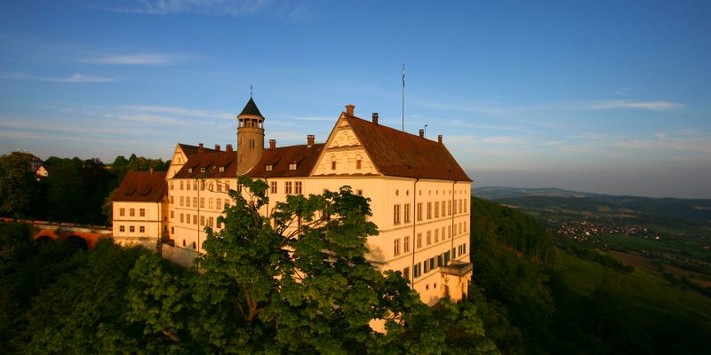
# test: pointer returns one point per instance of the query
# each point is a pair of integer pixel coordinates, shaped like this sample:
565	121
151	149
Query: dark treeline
75	190
534	308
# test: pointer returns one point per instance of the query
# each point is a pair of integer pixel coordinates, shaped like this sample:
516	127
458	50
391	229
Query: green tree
294	281
18	186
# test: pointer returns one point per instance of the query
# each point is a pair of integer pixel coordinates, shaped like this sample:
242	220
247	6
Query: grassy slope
654	298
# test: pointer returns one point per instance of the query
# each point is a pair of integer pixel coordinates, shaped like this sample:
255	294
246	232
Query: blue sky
598	96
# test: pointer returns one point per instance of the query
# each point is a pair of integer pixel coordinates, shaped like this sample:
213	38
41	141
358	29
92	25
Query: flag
403	75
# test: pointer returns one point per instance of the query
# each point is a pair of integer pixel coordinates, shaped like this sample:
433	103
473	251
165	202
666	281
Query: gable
344	154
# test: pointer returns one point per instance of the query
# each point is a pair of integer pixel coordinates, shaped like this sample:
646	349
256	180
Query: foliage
18	187
75	190
295	282
567	304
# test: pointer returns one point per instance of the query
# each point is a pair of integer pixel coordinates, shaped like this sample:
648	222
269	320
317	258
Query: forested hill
542	299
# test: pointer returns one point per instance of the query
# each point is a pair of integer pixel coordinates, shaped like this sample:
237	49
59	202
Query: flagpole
403	97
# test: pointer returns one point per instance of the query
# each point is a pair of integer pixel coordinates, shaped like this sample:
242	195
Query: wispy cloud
134	59
285	9
636	105
178	111
74	78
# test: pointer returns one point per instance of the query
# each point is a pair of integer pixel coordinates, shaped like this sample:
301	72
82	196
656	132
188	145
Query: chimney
272	143
200	147
310	140
422	133
217	147
439	139
228	148
375	118
350	109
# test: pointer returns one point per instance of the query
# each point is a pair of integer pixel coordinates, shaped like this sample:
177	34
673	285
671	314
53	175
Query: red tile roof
397	153
281	158
192	149
208	164
142	186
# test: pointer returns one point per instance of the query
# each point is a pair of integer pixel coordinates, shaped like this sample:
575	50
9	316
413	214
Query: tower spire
251	89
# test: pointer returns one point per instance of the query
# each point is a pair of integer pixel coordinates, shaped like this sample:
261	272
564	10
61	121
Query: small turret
250	137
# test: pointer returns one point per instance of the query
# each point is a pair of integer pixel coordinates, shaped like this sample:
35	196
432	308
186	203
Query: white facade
423	216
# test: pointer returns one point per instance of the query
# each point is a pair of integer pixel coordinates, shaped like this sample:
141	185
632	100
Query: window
465	205
142	212
195	185
142	229
432	263
419	240
273	187
187	202
396	247
122	212
194	245
172	214
218	204
429	210
122	229
211	203
333	163
218	186
221	169
172	199
181	218
210	221
429	237
436	235
292	166
419	211
187	184
202	182
131	212
406	244
195	219
406	213
436	210
131	229
427	267
417	270
181	185
194	201
190	171
449	232
202	220
297	186
359	163
406	273
287	187
396	214
449	208
460	205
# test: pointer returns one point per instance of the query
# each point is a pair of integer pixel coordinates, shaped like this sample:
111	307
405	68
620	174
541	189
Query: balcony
457	268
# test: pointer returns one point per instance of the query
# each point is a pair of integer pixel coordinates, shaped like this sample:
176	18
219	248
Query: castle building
420	196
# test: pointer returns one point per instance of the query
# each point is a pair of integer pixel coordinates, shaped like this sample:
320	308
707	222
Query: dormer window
190	170
269	167
202	170
221	169
292	166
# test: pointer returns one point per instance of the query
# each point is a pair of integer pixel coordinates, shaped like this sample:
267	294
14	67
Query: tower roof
250	109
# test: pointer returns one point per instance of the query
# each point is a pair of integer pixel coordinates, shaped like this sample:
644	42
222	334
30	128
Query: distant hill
554	203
